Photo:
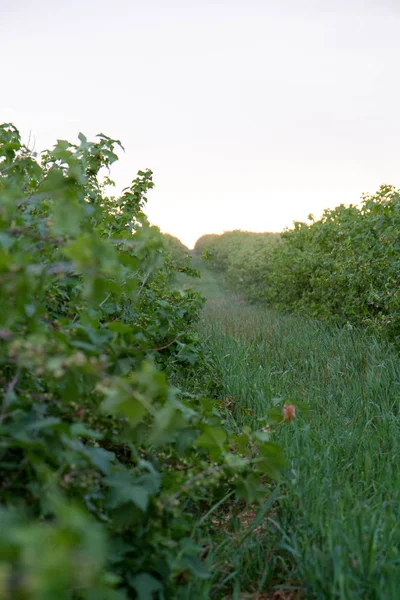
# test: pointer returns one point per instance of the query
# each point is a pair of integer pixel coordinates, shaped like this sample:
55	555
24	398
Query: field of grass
333	530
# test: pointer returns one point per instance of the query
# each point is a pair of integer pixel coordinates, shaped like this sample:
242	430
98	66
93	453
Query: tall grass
336	529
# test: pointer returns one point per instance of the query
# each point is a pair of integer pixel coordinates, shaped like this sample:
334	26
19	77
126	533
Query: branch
144	282
164	347
9	391
191	481
35	236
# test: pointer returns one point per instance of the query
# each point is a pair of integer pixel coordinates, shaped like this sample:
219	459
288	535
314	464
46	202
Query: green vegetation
112	459
346	265
176	251
240	257
142	435
343	267
334	530
208	282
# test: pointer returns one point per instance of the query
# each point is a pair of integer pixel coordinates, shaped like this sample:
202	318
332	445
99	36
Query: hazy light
250	113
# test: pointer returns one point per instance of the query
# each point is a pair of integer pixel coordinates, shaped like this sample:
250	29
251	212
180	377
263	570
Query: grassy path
209	285
336	530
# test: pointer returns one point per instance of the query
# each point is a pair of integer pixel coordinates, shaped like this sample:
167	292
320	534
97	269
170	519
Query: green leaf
100	458
80	429
195	565
146	586
213	439
250	489
119	327
126	488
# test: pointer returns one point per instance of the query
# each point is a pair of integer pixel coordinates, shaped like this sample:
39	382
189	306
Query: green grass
335	530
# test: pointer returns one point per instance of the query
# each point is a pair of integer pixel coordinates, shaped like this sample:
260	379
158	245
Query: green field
334	531
146	450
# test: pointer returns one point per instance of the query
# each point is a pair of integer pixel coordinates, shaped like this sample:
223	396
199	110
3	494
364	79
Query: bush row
241	257
344	266
106	467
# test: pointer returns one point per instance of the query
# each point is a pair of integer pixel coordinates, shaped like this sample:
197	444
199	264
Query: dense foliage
177	251
178	260
343	266
107	470
238	255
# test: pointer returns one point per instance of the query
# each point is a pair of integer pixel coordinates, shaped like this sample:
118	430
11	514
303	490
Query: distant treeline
242	257
344	266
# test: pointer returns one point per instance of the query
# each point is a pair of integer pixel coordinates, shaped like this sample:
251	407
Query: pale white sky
251	113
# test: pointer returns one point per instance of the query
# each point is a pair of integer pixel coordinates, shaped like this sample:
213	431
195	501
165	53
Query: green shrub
174	247
344	266
242	257
106	468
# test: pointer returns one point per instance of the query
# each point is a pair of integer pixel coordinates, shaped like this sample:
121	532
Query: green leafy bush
174	247
242	257
106	468
344	266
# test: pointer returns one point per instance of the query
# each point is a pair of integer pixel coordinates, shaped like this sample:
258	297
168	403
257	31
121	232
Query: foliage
178	259
335	530
177	251
345	265
238	255
206	242
107	470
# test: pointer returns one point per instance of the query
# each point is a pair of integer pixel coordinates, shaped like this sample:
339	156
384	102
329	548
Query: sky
251	113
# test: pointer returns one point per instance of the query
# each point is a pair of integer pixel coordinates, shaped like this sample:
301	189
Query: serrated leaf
213	439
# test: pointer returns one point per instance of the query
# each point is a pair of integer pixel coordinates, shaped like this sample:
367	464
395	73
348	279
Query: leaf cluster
344	266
